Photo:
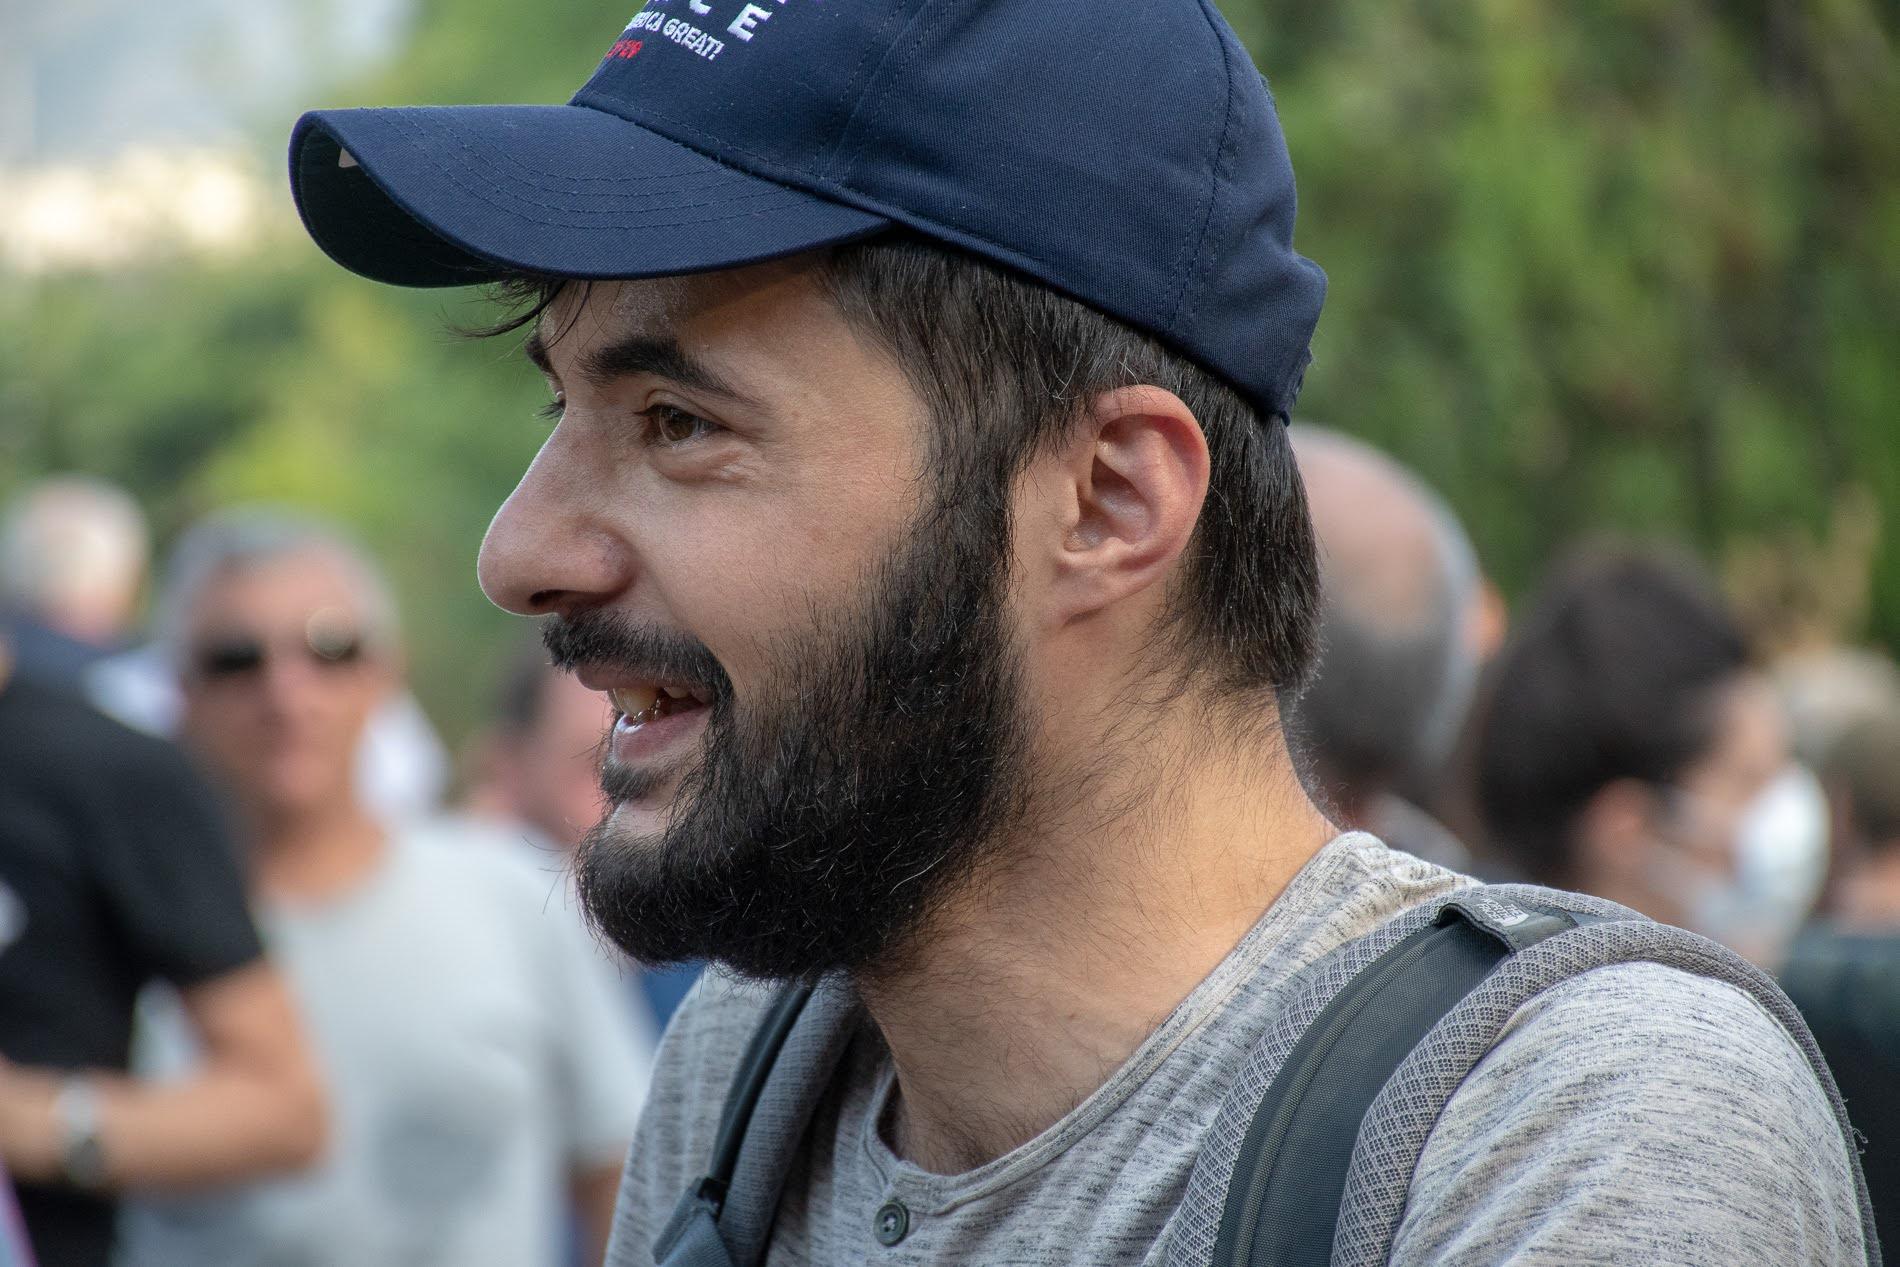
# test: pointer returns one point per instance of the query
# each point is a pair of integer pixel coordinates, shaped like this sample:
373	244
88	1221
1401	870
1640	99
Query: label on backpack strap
1519	928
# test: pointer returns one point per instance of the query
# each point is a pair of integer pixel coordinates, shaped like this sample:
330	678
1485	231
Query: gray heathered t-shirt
1635	1114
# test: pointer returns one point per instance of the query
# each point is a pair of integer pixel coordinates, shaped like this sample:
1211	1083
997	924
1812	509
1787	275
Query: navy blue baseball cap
1123	152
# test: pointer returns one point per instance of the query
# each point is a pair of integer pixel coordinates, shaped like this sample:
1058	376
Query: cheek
1716	832
582	800
226	731
743	577
355	696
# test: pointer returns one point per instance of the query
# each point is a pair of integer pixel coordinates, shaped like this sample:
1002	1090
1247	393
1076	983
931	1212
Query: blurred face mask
1778	846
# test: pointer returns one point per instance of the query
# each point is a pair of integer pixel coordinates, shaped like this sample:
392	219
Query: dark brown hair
1615	672
1007	367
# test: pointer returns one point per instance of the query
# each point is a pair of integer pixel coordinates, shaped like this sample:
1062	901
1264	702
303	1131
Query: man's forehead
668	305
309	574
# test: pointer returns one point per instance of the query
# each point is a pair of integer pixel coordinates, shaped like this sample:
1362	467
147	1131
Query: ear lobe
1137	470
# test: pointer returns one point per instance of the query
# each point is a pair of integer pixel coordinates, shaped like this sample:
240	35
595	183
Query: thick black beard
825	824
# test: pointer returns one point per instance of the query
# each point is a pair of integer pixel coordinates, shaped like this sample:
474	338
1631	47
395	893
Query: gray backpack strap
725	1218
691	1236
1402	1116
1390	1138
1198	1220
1282	1206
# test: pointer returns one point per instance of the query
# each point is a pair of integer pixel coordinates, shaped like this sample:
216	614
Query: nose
289	679
548	550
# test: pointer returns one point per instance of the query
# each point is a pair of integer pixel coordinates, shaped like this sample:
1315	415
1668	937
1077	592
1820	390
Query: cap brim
457	195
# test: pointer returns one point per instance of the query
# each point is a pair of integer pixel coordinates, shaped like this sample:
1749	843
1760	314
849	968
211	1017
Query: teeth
642	704
634	701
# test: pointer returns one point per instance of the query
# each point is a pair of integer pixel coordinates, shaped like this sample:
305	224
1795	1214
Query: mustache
606	640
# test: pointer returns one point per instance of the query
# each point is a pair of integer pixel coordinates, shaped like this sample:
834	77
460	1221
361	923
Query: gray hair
68	538
255	536
1397	670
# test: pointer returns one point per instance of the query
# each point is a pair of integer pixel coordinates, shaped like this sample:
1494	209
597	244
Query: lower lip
637	744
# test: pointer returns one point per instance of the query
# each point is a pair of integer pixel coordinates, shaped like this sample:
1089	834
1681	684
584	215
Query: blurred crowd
313	1013
332	1004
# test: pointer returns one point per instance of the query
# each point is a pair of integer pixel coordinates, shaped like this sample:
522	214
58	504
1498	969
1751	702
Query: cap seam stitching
404	116
455	179
721	142
818	186
843	160
479	161
1177	317
834	156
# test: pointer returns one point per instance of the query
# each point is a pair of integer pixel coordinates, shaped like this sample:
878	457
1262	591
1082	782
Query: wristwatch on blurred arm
82	1153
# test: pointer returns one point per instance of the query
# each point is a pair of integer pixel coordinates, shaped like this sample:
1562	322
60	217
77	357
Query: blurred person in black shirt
115	870
1631	748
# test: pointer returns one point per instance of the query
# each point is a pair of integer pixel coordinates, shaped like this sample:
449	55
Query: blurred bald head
1399	583
72	555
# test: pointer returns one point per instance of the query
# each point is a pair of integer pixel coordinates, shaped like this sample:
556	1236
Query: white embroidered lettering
686	35
748	19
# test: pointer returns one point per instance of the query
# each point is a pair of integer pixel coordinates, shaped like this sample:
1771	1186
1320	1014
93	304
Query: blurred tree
1633	264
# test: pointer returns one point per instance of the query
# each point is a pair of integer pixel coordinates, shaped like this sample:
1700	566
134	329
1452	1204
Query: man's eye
552	411
675	426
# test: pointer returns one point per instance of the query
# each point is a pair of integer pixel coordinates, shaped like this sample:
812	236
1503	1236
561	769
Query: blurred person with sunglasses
116	870
482	1070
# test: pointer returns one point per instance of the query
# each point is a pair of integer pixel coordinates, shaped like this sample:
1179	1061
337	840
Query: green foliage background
1630	265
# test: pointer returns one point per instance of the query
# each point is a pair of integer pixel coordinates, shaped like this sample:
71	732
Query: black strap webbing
1282	1204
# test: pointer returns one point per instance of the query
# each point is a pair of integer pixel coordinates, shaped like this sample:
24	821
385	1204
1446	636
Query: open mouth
649	702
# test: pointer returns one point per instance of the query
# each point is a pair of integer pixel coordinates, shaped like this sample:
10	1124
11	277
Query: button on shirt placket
891	1224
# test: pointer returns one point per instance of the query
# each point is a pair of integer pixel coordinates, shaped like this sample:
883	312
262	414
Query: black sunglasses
238	655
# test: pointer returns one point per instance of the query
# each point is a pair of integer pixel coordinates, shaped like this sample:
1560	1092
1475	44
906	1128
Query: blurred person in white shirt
536	775
73	552
483	1073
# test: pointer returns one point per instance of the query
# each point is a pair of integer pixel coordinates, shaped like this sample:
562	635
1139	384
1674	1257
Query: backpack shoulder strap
1404	1112
1282	1203
691	1236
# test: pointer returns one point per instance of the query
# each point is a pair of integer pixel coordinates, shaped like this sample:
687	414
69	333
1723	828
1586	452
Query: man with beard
920	495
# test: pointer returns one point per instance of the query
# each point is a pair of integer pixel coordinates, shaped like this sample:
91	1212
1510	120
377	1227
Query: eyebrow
660	356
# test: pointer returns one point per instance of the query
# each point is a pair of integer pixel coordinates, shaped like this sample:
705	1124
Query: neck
313	854
1353	808
1040	979
1871	899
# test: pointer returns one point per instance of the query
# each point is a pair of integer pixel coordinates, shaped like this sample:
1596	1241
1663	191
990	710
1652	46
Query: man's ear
1119	501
